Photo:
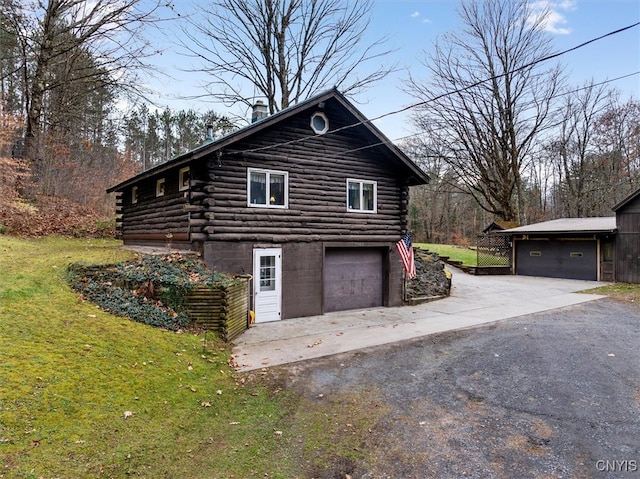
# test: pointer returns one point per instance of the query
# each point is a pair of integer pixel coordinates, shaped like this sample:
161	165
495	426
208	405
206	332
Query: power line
495	77
576	90
603	82
412	135
445	94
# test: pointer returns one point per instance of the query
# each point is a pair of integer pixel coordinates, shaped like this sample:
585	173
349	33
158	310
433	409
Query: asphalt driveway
554	394
474	300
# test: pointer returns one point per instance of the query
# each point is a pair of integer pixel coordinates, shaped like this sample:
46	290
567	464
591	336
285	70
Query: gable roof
627	200
605	224
499	225
415	175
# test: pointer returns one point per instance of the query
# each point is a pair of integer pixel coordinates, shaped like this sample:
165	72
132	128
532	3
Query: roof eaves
560	232
566	226
226	140
262	124
421	176
627	200
174	162
269	120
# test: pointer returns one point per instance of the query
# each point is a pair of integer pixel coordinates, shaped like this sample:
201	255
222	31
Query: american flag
405	249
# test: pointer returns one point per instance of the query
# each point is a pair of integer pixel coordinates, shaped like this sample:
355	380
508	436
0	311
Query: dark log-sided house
310	201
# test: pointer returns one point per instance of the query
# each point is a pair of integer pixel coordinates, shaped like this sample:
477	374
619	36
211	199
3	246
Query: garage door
558	259
353	278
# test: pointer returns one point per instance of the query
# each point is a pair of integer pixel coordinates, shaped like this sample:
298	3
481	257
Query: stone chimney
209	137
259	111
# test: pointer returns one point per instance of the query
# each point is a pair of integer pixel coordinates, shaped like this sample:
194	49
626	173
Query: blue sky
413	25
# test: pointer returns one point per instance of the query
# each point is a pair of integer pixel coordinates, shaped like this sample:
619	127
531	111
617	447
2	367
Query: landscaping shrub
150	289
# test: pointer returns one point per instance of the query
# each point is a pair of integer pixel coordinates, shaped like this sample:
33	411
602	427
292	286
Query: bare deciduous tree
439	211
574	154
617	139
488	98
283	50
58	34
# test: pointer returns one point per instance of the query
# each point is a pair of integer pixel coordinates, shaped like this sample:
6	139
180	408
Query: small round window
319	123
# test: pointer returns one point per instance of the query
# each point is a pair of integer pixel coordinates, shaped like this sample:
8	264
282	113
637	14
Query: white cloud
417	14
555	23
568	4
554	20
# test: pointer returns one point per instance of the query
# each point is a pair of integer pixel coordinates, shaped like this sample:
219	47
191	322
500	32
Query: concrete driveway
474	300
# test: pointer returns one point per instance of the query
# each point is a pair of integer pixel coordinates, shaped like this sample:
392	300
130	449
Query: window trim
326	123
160	187
268	174
362	182
134	195
181	185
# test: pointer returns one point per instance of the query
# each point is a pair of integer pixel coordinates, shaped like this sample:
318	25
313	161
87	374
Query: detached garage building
597	249
576	248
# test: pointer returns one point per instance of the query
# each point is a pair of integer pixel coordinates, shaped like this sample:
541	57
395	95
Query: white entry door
267	284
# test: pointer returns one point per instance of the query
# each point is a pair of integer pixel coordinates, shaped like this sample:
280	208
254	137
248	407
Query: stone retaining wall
432	280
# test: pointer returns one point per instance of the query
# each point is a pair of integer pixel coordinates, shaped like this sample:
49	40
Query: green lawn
87	394
619	291
458	253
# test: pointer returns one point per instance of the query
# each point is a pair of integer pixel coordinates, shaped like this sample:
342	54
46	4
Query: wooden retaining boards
222	309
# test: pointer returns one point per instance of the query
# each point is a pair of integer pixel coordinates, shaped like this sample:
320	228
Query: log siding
317	201
214	217
155	218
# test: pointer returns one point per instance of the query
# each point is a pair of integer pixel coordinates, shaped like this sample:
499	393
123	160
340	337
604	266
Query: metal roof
606	224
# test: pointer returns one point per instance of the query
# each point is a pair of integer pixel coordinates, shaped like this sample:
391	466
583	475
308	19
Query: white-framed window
160	187
362	195
134	195
319	123
183	178
267	188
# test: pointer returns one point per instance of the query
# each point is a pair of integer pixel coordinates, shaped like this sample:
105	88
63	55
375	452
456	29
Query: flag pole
405	250
404	286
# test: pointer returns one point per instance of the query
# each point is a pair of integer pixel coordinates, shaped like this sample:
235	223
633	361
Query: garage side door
558	259
353	278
